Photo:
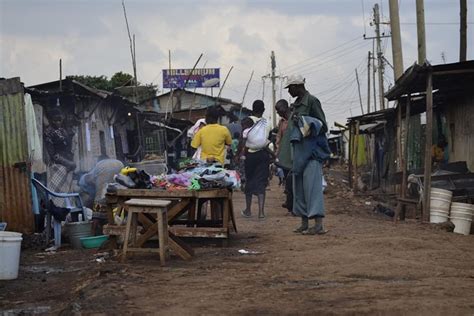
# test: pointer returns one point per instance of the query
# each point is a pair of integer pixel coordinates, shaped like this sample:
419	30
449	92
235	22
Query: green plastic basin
93	242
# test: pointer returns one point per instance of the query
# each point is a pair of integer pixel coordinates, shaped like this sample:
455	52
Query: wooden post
368	83
428	143
356	149
401	206
420	28
399	136
60	75
351	149
463	31
405	147
360	97
396	39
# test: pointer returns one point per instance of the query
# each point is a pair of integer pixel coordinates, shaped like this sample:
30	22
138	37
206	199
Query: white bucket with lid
440	202
461	216
10	247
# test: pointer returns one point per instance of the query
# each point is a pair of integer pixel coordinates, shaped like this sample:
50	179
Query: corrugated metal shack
444	95
15	187
192	106
372	150
163	116
103	121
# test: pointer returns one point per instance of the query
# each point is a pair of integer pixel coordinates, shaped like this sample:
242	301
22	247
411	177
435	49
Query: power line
341	80
435	23
320	54
334	57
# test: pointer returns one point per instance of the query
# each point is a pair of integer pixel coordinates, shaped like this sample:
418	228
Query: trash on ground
249	252
381	209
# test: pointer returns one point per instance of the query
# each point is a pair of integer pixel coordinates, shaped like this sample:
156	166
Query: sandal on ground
314	231
300	229
245	214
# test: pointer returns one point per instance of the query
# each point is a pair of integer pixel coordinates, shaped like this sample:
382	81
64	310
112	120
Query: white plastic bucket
440	201
10	247
441	192
438	216
461	216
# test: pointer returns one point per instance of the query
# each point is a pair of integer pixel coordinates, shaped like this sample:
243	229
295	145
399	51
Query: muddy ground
365	264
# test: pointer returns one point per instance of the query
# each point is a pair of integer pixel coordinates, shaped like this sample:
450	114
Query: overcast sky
320	39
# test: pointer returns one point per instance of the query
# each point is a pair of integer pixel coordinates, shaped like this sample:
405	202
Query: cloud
321	39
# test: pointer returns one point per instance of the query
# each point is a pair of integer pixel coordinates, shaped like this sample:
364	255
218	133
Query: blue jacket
312	147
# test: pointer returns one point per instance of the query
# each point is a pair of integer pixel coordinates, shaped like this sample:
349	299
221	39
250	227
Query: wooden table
184	202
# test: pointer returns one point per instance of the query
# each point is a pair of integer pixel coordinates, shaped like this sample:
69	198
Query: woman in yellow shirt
212	138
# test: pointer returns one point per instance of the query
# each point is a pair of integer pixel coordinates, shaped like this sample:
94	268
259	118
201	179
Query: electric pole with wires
380	58
273	78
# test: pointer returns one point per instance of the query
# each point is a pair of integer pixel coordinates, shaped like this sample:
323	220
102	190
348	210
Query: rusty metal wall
460	125
15	187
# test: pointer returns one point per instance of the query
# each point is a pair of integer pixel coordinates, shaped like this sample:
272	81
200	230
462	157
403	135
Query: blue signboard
200	78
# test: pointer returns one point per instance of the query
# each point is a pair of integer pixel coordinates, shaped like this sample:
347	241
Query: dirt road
364	265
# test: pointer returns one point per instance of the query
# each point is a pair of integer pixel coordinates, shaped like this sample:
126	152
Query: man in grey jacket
307	186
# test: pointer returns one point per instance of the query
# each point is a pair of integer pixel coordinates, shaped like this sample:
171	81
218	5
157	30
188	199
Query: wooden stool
147	206
400	211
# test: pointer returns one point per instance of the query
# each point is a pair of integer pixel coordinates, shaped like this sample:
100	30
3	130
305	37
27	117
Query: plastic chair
74	208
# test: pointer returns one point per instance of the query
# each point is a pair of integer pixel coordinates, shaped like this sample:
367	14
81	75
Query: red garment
282	126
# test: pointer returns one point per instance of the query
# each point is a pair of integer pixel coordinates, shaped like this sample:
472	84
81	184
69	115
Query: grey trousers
308	199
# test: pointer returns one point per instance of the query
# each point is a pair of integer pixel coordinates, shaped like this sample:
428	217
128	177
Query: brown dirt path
364	265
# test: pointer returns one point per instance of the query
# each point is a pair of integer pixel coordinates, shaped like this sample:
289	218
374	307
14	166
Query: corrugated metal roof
373	116
448	78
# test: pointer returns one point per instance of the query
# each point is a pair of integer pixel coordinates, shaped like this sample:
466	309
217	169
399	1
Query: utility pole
60	75
360	97
368	83
380	65
420	27
273	89
396	39
373	76
272	77
380	57
463	31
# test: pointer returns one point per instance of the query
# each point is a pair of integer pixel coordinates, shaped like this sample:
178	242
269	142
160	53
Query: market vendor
212	138
94	183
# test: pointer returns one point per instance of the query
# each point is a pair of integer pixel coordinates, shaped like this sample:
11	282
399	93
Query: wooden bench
139	207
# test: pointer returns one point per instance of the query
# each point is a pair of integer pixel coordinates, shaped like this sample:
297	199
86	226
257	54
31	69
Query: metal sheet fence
15	187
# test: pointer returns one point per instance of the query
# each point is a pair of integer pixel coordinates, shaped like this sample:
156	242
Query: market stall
192	192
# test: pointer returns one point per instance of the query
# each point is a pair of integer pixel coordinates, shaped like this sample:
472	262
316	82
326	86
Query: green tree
121	83
98	82
120	79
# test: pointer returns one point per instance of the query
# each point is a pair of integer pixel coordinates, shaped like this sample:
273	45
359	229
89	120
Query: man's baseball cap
294	79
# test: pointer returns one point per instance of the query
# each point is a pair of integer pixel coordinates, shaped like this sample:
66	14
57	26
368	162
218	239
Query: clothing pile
196	175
